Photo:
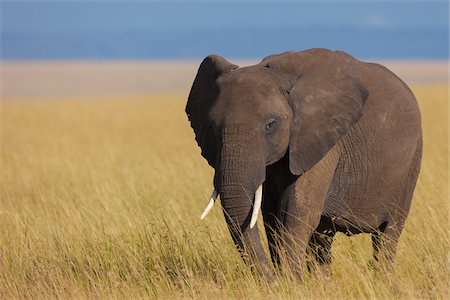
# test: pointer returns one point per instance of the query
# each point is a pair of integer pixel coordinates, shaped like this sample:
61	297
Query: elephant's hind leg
386	239
376	242
384	243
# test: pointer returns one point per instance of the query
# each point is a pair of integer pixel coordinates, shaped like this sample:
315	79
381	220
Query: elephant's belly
352	220
331	225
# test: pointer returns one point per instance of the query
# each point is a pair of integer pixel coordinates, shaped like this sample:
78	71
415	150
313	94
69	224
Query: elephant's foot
292	269
263	272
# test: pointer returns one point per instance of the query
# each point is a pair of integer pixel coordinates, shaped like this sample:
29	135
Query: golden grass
102	198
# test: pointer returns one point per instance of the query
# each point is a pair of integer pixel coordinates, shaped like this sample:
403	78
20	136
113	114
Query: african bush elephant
327	143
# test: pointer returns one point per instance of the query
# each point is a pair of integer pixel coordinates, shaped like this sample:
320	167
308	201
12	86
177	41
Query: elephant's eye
270	125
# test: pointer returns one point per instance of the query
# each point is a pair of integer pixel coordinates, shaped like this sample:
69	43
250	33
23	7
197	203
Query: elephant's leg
376	241
385	240
300	218
271	222
320	247
301	208
388	240
277	181
384	244
377	246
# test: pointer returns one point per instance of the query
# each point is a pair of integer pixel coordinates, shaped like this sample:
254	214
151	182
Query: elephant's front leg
278	178
301	207
271	222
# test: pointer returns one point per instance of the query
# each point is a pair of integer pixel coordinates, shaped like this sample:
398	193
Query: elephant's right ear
326	102
202	97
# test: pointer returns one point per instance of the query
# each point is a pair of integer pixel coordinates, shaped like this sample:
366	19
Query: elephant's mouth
256	205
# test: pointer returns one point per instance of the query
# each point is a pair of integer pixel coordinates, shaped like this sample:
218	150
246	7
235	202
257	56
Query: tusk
256	206
210	204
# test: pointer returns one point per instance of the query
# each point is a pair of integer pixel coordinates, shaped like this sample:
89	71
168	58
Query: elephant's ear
326	102
201	98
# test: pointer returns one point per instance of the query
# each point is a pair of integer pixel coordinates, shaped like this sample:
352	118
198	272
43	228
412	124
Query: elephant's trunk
241	170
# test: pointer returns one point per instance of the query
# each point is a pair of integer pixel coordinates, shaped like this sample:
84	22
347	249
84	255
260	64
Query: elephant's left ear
326	102
202	97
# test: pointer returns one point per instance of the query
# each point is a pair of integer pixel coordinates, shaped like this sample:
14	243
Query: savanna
101	194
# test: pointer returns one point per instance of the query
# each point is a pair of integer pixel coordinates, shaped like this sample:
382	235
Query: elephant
319	141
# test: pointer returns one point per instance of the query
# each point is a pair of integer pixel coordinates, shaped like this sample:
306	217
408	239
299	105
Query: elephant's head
293	104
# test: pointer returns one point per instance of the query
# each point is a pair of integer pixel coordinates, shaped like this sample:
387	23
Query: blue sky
237	29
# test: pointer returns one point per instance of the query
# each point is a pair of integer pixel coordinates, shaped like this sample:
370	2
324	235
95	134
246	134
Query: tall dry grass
102	198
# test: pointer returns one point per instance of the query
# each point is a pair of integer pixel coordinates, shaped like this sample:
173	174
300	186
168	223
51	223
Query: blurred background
99	47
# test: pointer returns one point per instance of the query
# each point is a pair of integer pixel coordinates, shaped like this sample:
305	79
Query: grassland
101	198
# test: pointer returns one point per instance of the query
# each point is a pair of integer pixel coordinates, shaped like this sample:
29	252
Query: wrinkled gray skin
336	142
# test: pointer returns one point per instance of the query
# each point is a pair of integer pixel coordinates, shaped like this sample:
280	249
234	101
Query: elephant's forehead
247	85
247	80
246	93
